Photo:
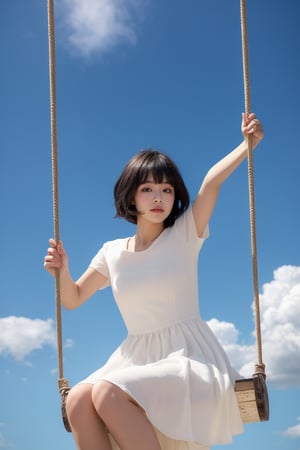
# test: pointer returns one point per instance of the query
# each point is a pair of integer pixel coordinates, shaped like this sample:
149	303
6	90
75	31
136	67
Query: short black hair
136	172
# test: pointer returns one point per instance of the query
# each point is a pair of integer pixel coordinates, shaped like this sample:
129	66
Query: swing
251	393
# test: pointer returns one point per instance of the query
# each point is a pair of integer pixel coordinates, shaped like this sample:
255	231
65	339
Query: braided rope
62	383
260	367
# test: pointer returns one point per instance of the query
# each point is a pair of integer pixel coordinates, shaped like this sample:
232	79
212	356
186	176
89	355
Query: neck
144	236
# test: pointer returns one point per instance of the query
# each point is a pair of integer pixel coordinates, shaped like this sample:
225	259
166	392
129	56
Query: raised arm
205	201
73	294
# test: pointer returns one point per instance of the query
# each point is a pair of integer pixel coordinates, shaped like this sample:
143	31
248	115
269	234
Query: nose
157	198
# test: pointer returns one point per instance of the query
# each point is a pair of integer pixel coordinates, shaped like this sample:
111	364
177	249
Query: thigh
79	397
104	392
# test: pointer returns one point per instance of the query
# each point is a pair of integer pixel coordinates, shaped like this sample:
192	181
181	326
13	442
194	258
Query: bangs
156	169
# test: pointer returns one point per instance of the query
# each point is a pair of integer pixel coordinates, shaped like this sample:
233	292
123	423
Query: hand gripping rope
252	395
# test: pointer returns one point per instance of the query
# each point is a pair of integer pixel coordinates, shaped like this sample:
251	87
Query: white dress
170	363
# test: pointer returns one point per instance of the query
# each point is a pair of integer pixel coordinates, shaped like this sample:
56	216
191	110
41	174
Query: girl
169	385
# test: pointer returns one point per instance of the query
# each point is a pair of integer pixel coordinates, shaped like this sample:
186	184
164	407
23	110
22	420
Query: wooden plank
244	385
245	394
249	412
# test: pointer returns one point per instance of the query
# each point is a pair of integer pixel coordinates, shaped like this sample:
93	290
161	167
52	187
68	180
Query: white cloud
293	432
97	26
280	325
280	311
242	357
19	336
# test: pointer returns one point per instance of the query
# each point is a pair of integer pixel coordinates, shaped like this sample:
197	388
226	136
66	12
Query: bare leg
124	418
88	429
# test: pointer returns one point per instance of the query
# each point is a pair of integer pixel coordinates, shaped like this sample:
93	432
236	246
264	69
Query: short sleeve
99	263
186	224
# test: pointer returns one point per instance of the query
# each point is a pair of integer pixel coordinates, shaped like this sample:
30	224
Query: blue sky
133	74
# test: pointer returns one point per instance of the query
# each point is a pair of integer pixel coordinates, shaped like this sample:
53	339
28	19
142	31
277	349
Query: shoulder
106	254
186	224
113	245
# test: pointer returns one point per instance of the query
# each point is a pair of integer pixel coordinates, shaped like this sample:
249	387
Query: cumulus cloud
19	336
293	432
97	26
280	325
242	357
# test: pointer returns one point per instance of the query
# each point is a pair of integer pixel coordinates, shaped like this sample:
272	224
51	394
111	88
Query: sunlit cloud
280	325
20	336
97	26
294	431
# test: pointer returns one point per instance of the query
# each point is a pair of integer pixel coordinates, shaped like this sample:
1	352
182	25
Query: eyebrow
153	182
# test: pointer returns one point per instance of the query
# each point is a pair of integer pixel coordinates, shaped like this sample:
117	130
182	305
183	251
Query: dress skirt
182	379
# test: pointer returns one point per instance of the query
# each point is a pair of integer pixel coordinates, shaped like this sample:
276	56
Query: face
154	202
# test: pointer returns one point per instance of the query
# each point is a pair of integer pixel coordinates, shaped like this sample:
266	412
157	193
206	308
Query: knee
79	403
105	397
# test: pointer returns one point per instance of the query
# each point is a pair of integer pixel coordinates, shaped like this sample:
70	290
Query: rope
62	382
259	367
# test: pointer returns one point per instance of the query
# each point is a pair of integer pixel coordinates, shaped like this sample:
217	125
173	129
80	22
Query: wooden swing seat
252	397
